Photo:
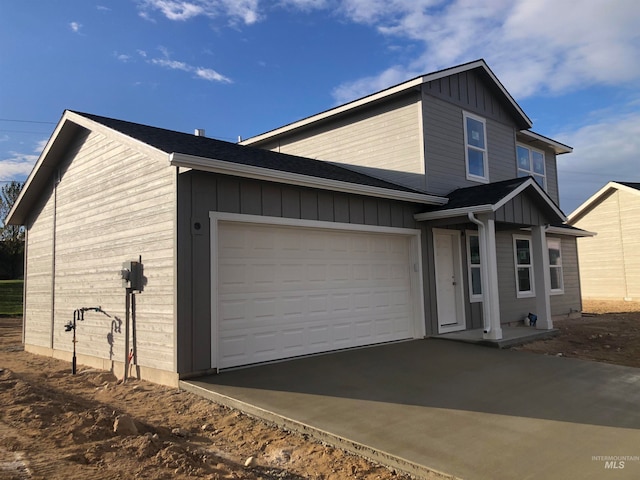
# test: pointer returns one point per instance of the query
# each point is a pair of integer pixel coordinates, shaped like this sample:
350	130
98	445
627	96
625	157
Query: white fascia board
573	216
570	232
335	111
530	183
453	212
267	174
557	147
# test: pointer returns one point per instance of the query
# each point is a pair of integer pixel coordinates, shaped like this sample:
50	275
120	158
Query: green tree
11	236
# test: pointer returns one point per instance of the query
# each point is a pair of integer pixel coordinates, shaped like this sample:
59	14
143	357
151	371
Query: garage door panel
285	291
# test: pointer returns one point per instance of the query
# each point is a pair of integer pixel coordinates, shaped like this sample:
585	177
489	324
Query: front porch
511	336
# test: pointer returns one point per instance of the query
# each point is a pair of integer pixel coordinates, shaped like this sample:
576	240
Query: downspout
486	312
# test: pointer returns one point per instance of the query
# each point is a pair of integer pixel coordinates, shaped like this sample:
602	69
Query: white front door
449	281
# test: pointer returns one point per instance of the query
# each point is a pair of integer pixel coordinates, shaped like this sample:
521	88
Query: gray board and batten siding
200	193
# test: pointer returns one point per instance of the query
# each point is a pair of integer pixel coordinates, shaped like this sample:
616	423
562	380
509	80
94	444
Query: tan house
610	261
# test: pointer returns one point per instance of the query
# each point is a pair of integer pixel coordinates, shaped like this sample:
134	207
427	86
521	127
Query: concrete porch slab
511	336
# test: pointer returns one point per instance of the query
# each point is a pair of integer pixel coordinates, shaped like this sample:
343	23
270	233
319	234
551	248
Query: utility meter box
132	276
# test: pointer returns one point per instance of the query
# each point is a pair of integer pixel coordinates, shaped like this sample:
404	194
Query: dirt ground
608	331
54	425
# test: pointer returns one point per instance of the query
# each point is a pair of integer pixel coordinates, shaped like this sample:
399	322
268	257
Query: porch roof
491	197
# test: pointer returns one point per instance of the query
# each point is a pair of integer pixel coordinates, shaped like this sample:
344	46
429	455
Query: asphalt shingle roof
170	141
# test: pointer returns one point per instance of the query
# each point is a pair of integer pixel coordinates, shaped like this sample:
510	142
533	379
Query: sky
237	68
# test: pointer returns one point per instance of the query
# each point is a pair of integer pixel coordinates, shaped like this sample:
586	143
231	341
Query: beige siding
610	261
114	204
38	281
387	139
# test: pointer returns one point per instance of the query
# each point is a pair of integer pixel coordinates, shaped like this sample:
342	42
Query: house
610	261
428	208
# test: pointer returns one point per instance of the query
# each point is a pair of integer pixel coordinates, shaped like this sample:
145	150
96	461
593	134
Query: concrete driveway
464	410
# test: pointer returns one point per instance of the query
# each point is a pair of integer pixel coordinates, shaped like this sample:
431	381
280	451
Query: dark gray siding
571	300
444	101
521	210
199	193
513	309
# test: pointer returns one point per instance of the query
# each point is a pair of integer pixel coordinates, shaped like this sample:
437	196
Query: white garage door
285	291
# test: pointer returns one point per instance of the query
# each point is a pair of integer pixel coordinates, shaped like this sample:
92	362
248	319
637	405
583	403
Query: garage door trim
415	274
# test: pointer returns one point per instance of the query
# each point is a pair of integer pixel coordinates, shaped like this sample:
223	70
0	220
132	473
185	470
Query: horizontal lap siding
570	301
445	149
115	204
38	282
386	139
610	261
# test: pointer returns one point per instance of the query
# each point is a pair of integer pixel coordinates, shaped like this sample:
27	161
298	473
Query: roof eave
558	148
267	174
588	203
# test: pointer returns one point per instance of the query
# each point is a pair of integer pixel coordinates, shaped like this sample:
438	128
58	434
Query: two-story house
497	250
424	209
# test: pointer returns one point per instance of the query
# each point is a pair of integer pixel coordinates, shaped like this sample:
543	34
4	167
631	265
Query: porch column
490	295
541	275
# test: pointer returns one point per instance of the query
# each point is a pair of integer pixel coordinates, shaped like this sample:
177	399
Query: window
524	266
531	162
474	263
555	265
475	139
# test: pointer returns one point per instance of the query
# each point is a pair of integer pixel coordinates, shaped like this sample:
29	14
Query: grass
11	297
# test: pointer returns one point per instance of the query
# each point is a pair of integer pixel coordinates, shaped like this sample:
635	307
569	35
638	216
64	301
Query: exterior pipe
483	272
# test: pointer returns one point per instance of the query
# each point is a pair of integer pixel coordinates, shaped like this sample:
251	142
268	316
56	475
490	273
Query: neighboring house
428	208
610	261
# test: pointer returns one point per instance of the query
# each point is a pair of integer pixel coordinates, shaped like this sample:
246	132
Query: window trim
556	291
524	293
485	152
478	297
531	171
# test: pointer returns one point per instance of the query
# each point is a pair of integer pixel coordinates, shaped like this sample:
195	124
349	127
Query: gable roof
600	195
480	66
490	197
206	154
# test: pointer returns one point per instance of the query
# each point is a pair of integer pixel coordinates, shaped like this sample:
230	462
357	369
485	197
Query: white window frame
558	242
530	171
523	293
470	266
485	164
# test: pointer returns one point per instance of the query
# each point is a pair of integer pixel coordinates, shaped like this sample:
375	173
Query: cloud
533	46
16	166
200	72
604	150
245	11
123	57
75	26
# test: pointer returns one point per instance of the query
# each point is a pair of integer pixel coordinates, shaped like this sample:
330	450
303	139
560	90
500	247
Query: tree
11	236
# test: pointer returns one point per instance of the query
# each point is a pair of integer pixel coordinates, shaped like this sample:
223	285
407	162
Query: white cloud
533	45
16	166
604	150
200	72
123	57
75	26
245	11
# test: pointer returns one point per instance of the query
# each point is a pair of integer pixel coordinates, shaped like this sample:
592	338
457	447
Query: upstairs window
531	162
555	265
524	266
475	140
